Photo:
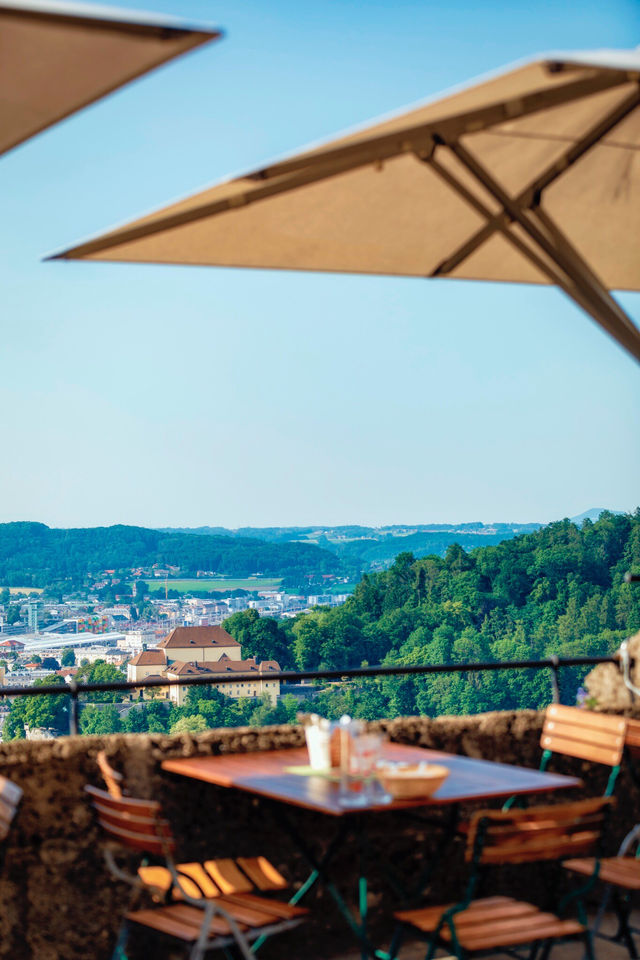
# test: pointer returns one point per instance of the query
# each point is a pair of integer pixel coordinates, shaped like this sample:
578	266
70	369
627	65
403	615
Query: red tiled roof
267	665
198	637
149	658
181	669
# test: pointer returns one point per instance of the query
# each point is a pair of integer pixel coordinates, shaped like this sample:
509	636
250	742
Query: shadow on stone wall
58	903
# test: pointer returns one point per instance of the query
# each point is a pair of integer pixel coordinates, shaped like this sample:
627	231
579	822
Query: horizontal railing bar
75	689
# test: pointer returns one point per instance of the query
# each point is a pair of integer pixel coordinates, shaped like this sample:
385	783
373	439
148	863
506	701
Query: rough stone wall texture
57	901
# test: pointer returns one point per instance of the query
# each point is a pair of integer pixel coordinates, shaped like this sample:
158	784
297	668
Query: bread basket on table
405	781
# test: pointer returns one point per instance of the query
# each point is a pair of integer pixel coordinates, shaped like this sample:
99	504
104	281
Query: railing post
73	709
555	671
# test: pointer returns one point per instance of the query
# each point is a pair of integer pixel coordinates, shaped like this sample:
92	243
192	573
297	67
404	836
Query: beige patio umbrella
58	57
528	176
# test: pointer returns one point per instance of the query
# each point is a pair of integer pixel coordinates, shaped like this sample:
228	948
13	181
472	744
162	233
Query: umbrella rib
501	223
473	121
304	170
547	269
602	307
531	194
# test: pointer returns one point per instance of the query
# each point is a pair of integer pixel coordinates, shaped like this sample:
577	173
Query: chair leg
588	945
602	909
623	934
120	948
396	941
535	946
431	949
546	950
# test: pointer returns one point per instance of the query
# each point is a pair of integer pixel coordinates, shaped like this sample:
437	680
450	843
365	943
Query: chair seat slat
621	871
276	908
226	875
182	925
262	873
493	922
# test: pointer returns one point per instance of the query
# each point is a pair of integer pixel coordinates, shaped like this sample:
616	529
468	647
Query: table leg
320	874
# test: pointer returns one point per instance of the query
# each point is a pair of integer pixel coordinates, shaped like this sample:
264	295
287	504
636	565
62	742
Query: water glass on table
360	754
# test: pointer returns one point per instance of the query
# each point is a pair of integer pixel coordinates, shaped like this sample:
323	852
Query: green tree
48	711
308	642
68	657
195	723
13	614
99	720
100	672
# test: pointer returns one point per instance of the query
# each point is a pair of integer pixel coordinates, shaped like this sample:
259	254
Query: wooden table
264	774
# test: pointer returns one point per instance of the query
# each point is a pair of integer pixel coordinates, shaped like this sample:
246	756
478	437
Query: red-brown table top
264	773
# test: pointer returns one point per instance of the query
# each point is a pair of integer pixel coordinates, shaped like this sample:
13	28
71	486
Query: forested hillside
32	554
559	590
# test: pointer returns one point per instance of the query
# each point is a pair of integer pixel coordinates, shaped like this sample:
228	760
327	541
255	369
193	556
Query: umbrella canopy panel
56	58
530	176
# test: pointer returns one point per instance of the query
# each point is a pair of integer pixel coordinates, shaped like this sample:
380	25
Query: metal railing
75	690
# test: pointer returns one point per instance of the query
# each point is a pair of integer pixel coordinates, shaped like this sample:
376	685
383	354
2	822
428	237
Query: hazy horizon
348	523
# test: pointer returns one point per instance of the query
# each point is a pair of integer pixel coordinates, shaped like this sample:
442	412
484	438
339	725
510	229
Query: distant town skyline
185	397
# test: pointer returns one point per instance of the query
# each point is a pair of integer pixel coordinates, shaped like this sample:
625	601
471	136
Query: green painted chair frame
499	837
210	920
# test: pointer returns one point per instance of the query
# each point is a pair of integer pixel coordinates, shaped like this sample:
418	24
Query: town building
207	651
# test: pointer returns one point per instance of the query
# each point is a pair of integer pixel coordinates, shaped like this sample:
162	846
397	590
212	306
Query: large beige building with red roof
204	652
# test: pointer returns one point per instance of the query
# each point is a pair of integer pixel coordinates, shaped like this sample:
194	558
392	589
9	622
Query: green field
188	586
13	590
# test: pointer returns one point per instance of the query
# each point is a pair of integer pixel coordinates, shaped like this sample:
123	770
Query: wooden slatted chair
201	920
620	874
497	837
242	876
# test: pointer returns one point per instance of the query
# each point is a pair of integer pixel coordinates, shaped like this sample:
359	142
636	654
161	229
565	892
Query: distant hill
593	514
371	548
32	554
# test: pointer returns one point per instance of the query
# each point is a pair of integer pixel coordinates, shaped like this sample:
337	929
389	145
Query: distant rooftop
198	637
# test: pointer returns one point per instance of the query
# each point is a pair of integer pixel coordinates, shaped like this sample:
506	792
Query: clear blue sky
180	396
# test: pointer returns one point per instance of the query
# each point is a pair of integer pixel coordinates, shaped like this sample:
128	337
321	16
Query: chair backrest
633	737
112	778
10	796
537	833
137	824
583	734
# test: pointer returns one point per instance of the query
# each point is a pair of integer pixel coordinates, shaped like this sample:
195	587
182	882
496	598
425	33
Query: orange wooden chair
497	837
244	875
192	909
620	874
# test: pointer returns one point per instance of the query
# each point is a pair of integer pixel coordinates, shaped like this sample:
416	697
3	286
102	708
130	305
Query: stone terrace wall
58	903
